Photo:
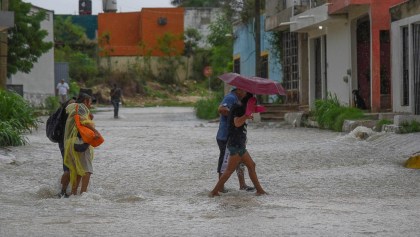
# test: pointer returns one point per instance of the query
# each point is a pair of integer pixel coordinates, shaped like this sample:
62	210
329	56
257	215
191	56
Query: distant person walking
62	91
116	99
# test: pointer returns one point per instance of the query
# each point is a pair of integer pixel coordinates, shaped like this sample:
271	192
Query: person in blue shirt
228	101
236	144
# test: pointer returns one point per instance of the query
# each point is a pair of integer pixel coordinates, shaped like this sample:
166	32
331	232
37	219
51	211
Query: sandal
247	188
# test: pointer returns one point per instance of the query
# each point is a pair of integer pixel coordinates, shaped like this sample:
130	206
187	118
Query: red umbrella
254	85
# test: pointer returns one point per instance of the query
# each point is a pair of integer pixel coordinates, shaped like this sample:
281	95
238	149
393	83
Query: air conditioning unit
162	21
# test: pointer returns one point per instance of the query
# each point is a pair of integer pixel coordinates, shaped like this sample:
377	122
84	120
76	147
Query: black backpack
56	125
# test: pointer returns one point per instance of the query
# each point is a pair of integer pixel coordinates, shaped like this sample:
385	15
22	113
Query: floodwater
153	174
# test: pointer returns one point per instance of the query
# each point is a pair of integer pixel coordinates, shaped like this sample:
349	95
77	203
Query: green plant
26	40
410	127
52	104
331	115
381	123
17	117
207	108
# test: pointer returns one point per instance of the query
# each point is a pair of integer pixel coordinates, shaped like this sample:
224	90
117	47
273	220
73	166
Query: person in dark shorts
222	135
237	126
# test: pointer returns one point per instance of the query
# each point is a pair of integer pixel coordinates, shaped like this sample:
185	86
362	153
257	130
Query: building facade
346	45
39	83
405	28
244	53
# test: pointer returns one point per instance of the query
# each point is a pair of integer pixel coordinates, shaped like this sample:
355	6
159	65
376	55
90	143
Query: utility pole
3	49
257	28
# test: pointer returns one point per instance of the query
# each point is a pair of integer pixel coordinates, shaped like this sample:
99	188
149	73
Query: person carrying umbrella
236	144
222	135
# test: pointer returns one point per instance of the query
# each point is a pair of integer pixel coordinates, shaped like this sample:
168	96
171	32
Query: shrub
17	117
52	104
410	127
381	123
331	115
207	108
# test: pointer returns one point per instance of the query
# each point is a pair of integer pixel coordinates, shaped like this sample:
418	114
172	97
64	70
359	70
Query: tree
222	47
26	39
67	33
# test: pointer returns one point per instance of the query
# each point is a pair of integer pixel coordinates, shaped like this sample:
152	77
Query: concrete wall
38	84
200	19
127	31
122	64
396	62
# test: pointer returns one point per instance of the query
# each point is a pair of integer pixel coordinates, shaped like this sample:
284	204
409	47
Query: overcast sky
72	6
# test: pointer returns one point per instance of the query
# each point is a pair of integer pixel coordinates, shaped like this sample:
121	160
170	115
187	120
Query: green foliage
276	42
380	123
82	67
16	117
26	39
74	89
218	30
207	108
410	127
52	104
191	39
222	48
68	34
331	115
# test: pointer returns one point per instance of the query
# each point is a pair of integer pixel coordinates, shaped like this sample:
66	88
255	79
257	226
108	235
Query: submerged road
157	165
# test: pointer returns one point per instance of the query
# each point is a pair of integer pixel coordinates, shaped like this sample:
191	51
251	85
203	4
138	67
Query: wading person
65	177
222	135
116	99
237	127
78	155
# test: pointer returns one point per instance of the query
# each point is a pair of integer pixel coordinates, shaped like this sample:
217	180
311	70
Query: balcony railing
275	6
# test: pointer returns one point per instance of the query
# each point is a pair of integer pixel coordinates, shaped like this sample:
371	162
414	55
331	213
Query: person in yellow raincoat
79	161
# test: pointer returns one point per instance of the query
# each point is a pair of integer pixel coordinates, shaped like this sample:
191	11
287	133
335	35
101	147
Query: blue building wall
244	47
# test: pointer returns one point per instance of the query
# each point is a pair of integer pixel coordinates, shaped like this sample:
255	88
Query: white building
39	84
405	40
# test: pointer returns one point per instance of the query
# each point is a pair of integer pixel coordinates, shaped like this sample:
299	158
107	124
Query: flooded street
157	165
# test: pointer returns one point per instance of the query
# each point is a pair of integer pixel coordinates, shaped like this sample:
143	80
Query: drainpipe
3	49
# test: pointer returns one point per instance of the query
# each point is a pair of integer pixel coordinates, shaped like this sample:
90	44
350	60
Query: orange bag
87	135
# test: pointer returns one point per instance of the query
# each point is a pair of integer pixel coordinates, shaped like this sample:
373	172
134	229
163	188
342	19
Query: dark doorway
363	59
318	68
416	67
385	72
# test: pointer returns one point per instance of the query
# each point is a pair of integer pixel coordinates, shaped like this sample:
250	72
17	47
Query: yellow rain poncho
72	158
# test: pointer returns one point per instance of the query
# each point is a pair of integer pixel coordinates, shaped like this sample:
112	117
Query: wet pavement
154	171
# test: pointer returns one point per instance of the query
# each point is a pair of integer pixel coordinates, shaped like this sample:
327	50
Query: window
237	65
290	61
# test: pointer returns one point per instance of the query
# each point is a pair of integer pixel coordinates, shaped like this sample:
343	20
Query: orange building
153	31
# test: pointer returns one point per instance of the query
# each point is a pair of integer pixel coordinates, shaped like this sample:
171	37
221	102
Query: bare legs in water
232	164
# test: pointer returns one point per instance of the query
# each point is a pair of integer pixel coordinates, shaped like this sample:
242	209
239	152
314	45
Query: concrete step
276	112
